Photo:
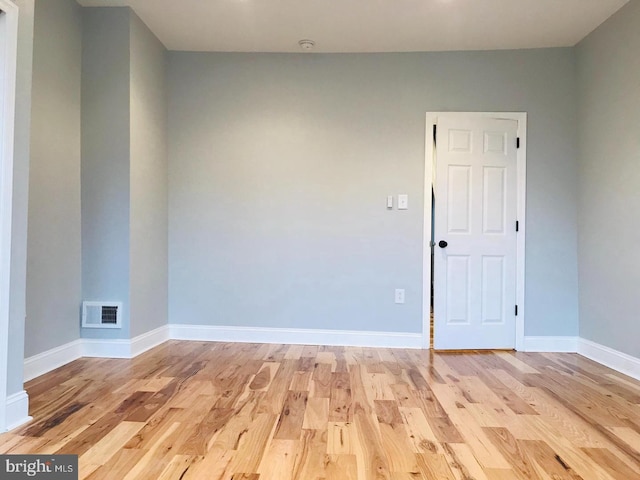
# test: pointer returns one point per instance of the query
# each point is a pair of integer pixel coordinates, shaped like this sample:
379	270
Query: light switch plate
403	201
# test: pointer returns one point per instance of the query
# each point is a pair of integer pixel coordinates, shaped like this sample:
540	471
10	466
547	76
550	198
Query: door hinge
517	226
435	131
518	142
516	310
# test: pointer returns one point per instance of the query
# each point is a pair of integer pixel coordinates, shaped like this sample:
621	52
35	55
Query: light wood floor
194	410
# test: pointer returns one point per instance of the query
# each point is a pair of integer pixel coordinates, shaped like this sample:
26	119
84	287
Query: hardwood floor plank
342	467
316	415
52	445
225	411
309	462
340	398
232	431
198	442
487	454
429	402
387	412
359	396
279	387
562	418
178	467
512	451
420	433
370	456
253	442
291	418
92	435
117	467
517	363
400	456
594	411
213	466
262	380
103	450
628	435
246	476
543	456
154	459
377	386
445	430
434	466
341	438
321	380
572	456
301	382
40	428
9	440
462	462
405	396
609	462
279	460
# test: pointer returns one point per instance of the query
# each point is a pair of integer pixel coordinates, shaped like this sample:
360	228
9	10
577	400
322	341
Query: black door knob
442	244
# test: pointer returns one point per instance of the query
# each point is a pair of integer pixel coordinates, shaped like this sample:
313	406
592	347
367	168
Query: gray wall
53	260
148	171
124	170
17	302
280	164
609	235
105	161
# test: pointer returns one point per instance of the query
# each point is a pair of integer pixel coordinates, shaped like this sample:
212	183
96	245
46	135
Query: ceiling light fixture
307	45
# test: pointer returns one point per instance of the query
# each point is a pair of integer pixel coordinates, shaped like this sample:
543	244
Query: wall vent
101	314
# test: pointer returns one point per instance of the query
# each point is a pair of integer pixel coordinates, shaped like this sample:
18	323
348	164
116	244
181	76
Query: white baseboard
297	336
116	348
551	344
609	357
56	357
148	340
91	347
51	359
17	410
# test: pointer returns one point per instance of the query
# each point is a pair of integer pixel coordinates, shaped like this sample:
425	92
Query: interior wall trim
550	344
295	336
17	410
618	361
89	347
50	360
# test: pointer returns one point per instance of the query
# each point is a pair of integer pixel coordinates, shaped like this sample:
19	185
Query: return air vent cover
101	314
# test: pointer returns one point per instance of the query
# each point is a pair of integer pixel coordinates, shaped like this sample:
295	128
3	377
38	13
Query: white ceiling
368	25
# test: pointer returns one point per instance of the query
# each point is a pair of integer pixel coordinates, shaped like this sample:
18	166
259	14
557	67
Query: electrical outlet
399	295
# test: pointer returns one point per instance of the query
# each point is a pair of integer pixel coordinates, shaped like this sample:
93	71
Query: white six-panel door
475	233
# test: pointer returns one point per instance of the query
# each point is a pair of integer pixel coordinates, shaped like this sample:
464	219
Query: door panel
459	205
493	304
457	290
475	213
494	206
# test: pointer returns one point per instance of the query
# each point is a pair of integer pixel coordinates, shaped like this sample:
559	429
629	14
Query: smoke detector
307	45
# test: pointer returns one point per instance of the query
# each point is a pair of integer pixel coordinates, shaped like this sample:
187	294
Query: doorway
474	230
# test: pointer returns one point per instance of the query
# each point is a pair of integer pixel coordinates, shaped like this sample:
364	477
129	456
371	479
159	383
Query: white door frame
8	58
429	163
